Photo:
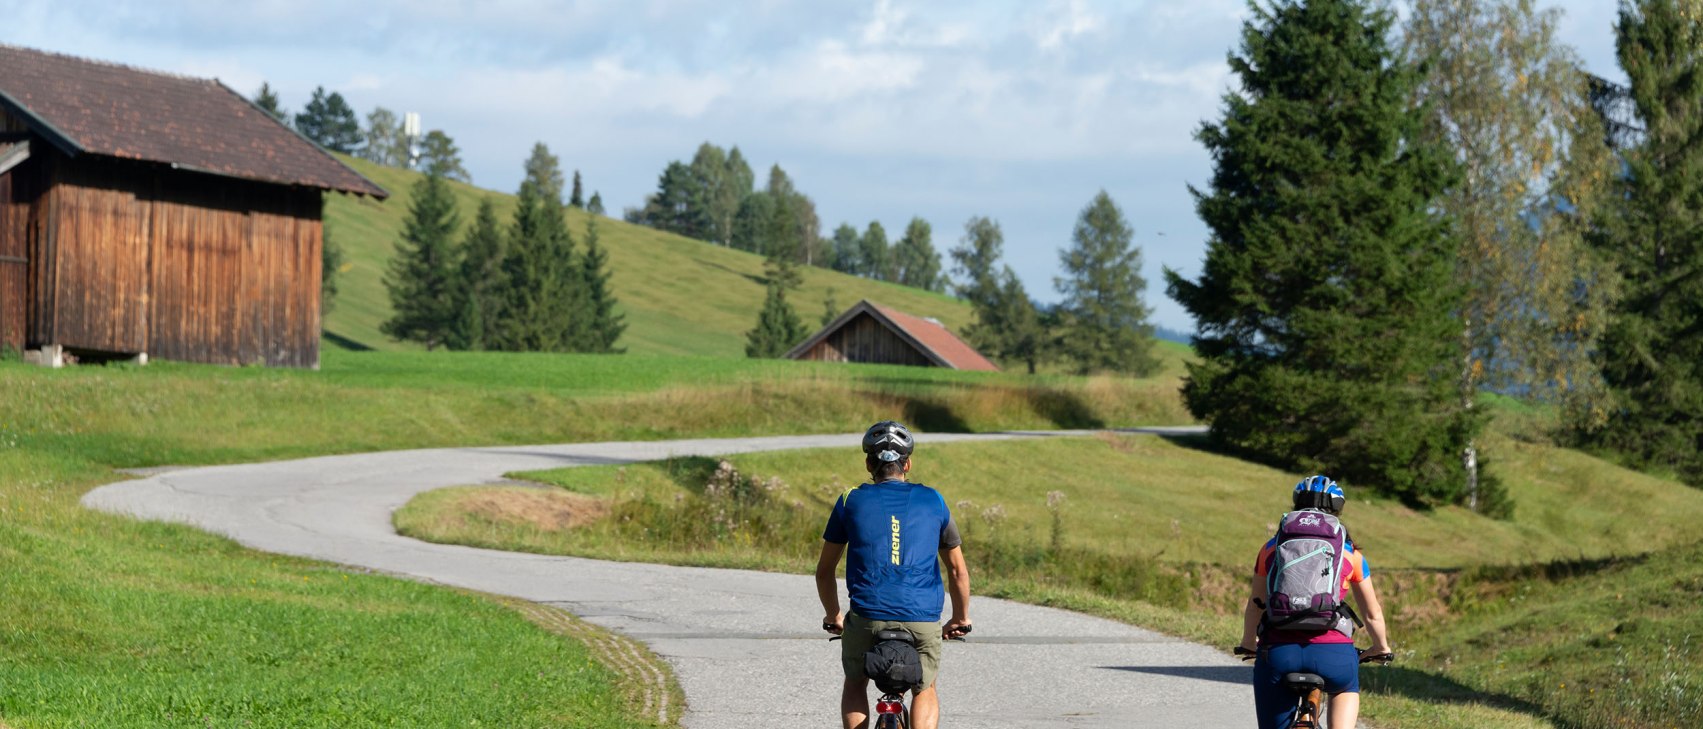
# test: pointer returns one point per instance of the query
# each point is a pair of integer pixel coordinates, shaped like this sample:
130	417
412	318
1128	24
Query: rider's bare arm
1373	614
958	587
1253	611
829	590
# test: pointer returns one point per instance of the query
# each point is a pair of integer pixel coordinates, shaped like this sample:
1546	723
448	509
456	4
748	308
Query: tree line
526	288
1100	324
714	198
1402	223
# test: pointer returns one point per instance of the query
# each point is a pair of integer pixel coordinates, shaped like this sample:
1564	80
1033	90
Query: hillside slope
680	296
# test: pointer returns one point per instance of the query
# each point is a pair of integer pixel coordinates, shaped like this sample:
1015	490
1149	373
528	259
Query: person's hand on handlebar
1245	652
1380	657
835	623
955	629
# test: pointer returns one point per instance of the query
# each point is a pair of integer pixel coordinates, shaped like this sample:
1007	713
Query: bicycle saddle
903	636
1303	682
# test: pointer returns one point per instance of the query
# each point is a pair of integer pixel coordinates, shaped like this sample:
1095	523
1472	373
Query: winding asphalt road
744	645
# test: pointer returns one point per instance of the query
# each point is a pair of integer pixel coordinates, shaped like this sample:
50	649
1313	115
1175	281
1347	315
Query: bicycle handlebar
1382	659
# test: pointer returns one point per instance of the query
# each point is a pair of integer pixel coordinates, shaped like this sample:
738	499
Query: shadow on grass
343	342
933	417
759	280
1557	571
1063	409
1428	687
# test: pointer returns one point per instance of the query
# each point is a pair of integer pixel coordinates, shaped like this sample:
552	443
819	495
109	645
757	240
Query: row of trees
714	198
1100	325
1467	223
526	289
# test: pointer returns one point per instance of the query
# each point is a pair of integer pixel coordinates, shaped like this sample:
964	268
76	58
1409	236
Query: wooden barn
145	214
873	333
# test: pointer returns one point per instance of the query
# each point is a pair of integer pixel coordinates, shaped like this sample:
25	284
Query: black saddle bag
893	663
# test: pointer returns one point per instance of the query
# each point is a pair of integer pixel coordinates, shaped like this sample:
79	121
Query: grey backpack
1304	580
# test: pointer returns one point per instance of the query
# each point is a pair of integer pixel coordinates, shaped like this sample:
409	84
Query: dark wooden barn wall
182	266
863	339
15	229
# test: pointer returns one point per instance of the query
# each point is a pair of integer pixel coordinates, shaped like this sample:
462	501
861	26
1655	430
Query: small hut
872	333
144	213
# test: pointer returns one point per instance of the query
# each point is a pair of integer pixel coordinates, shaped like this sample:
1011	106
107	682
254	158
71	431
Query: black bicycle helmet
888	441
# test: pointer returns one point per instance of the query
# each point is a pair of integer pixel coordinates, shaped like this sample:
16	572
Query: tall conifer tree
1106	325
605	325
479	282
422	275
1652	353
267	99
1326	303
576	199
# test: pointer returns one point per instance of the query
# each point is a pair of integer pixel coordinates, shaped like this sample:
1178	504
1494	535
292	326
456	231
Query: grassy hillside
680	296
1159	532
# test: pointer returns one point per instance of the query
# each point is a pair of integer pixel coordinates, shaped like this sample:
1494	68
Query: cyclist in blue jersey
894	535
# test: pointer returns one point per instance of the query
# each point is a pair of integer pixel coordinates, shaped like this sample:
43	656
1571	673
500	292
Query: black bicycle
1312	710
890	709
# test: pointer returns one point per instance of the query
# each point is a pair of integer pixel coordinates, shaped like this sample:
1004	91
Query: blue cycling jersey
893	532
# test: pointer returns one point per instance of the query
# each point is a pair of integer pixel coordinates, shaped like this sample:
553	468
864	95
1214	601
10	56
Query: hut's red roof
938	339
85	106
936	342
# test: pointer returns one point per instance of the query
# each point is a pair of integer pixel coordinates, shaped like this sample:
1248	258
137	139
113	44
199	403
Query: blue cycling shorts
1337	663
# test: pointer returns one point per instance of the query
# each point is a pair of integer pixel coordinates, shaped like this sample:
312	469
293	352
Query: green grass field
1130	543
117	623
150	625
680	296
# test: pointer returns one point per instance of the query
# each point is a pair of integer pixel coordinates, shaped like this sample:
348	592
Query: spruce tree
330	122
544	173
267	99
423	271
1326	302
714	197
915	259
479	281
605	325
1652	352
1106	327
595	205
778	328
576	199
541	297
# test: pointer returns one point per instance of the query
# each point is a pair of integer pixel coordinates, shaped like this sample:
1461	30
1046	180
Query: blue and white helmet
1319	492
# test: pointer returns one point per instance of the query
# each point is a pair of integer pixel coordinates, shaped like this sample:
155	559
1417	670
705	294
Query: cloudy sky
879	109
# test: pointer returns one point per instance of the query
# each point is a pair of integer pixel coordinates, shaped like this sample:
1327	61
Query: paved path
743	644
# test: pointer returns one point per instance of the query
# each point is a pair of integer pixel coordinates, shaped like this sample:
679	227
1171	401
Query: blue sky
879	109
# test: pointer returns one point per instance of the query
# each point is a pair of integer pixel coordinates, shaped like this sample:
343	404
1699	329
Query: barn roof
930	337
83	106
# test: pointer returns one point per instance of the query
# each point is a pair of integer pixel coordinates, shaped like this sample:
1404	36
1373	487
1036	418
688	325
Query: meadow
1159	532
679	296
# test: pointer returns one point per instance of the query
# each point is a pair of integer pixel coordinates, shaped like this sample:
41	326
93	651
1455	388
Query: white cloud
1068	19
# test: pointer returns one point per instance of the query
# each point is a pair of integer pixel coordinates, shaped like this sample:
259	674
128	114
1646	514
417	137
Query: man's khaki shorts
860	637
